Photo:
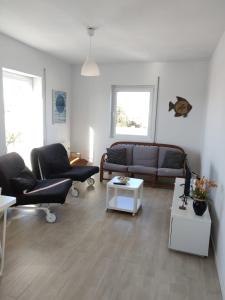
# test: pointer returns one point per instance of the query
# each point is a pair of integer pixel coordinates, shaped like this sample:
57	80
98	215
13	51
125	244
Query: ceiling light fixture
90	67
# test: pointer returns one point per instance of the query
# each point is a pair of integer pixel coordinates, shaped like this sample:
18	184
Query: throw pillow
173	160
24	181
117	156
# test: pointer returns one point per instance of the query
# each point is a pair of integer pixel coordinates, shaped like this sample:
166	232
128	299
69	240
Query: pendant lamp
90	67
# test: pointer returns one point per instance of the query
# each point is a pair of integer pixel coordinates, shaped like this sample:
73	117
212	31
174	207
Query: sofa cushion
162	154
173	160
145	155
114	167
117	156
170	172
142	170
129	149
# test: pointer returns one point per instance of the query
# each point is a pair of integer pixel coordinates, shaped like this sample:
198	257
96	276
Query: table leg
141	194
135	202
107	198
3	242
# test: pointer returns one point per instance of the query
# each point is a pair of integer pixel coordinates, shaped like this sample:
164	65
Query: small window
132	111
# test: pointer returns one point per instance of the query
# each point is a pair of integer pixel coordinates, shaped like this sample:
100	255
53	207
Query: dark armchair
52	162
18	181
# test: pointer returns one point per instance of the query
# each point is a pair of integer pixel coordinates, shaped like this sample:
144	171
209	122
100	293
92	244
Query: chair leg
90	181
50	216
74	191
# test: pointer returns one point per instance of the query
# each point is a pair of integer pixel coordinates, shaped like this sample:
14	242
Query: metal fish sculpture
181	107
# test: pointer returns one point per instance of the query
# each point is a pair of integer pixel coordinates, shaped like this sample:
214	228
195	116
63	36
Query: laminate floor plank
91	254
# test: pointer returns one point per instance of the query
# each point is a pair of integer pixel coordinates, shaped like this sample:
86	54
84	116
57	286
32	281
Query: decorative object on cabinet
199	194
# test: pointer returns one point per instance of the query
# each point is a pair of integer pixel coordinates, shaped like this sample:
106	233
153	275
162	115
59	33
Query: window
132	111
23	106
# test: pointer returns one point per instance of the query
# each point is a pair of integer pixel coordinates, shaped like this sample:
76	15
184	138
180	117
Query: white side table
188	232
119	202
5	203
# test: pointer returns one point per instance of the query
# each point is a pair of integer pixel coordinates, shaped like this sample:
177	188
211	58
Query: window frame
152	112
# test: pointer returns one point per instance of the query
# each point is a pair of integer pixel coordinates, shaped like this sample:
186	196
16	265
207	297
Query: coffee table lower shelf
124	203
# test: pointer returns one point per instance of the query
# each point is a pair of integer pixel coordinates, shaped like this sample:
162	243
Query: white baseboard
222	284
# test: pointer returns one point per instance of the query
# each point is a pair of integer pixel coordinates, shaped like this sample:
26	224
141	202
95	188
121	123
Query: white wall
214	153
91	104
18	56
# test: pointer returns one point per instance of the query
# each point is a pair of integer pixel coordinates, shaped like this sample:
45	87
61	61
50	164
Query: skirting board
222	283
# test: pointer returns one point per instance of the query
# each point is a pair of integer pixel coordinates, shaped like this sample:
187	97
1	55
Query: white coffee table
120	202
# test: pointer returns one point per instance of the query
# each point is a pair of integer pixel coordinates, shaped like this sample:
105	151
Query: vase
199	206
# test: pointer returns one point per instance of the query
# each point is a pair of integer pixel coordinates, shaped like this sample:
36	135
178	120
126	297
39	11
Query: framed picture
58	107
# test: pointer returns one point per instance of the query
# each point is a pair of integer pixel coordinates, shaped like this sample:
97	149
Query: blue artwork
58	106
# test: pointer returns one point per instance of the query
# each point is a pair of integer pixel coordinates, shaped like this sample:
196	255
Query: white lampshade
90	68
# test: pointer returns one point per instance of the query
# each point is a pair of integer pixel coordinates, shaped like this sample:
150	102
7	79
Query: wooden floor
91	254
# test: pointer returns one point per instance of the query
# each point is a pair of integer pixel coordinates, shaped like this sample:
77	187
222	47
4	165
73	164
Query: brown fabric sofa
143	159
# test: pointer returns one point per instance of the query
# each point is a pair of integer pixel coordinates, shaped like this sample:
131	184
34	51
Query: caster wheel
75	192
51	218
133	215
90	181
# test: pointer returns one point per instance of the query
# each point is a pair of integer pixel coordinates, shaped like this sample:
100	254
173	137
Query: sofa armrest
186	165
103	159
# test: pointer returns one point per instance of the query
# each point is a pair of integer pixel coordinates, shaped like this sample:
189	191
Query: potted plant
199	194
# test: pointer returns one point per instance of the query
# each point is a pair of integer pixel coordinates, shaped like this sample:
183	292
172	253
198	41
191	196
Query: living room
175	49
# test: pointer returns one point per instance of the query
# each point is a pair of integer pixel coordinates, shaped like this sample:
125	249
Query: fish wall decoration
181	107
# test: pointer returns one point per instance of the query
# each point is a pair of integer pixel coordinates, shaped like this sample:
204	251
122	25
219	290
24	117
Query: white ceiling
129	30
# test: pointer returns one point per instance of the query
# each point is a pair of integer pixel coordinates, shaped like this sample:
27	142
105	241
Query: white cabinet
188	232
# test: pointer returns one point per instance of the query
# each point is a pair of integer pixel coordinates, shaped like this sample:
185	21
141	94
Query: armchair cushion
77	173
25	180
46	191
53	159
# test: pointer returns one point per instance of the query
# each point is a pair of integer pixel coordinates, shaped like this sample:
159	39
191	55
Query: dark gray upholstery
170	172
144	158
45	191
129	151
145	155
142	170
115	167
117	156
53	162
162	154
